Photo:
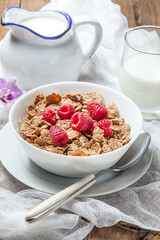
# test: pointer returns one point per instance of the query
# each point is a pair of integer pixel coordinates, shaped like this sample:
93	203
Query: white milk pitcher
44	46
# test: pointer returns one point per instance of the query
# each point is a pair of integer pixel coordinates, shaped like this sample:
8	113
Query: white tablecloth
138	204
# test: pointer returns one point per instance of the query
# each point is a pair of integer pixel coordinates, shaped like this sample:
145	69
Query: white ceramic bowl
76	166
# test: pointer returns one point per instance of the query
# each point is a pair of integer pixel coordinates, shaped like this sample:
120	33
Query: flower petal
3	100
10	97
3	83
15	90
11	83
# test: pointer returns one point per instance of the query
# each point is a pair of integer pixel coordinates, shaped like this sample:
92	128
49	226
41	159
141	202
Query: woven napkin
138	204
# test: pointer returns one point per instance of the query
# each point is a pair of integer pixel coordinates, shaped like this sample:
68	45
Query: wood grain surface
138	12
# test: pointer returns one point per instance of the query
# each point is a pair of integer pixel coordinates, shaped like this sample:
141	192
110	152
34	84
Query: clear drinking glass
140	69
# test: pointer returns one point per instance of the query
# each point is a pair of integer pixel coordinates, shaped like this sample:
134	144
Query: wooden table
138	12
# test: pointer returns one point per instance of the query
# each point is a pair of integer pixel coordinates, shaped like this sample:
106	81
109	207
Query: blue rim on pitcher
68	18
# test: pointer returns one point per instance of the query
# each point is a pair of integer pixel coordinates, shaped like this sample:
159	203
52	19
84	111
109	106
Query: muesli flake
35	130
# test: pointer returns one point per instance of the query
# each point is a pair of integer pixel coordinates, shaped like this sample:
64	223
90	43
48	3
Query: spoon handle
59	199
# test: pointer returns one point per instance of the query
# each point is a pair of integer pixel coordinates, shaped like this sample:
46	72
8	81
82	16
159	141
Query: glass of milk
140	69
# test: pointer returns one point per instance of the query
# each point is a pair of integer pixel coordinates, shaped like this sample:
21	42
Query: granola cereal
36	130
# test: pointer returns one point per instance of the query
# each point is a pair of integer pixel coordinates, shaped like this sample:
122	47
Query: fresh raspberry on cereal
97	111
105	125
49	116
58	136
84	126
65	111
81	122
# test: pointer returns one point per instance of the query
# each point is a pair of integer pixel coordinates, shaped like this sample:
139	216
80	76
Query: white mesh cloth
138	204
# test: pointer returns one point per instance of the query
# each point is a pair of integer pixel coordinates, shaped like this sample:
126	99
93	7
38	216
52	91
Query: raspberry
49	116
81	122
105	125
97	111
58	136
65	111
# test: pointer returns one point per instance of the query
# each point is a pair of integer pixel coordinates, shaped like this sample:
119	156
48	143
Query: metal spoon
134	154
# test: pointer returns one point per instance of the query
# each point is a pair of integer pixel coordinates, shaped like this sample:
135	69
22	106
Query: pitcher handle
97	37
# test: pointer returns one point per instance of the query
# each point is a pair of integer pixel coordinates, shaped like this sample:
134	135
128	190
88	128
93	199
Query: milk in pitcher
46	26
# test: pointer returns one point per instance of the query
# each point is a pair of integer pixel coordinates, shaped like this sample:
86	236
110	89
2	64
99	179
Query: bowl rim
76	83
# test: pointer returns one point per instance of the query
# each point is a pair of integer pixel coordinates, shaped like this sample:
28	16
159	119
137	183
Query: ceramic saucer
15	160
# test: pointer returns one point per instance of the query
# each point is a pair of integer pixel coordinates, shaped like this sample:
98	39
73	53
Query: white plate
15	160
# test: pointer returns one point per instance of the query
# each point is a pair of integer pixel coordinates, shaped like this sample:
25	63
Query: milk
46	26
140	80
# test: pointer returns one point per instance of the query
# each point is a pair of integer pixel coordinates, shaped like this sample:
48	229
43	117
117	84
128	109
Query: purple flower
9	90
